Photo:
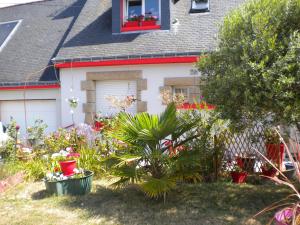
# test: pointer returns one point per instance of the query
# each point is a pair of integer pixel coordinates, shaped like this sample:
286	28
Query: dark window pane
134	8
200	5
5	30
152	8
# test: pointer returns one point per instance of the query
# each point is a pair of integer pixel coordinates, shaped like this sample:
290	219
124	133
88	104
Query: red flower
17	127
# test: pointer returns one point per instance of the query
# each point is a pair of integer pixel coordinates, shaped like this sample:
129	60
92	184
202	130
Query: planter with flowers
274	148
268	170
65	178
133	21
238	175
149	21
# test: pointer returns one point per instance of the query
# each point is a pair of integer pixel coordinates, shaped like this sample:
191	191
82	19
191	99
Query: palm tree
146	160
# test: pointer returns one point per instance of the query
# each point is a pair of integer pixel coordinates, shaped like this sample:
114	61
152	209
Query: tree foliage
255	71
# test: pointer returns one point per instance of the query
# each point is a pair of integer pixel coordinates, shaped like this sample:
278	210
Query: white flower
55	155
76	170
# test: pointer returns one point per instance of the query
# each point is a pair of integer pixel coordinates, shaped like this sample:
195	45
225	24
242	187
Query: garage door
120	89
35	109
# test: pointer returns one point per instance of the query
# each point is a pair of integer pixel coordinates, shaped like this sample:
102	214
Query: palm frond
154	187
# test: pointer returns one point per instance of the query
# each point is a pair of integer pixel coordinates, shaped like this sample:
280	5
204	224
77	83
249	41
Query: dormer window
199	6
141	15
7	29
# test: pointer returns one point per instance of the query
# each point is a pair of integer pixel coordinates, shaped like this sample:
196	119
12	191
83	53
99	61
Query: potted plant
246	162
274	147
238	175
149	21
132	21
79	183
268	170
66	161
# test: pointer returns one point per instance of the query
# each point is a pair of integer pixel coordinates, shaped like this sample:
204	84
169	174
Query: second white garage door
120	89
35	109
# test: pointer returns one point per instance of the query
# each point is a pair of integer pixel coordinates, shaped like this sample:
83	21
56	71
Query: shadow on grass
215	203
42	194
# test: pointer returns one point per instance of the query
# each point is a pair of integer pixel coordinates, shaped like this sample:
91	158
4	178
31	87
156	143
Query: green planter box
76	186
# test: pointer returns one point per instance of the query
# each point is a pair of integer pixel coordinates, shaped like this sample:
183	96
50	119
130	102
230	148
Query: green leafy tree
255	71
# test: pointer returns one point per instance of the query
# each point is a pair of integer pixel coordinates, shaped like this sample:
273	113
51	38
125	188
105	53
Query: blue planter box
76	186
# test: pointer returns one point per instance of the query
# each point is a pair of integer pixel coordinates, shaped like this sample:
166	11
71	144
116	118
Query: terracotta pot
269	172
246	163
148	23
67	167
238	177
275	153
131	24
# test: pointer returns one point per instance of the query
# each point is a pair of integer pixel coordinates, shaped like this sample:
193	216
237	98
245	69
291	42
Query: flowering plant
121	104
58	176
133	18
151	18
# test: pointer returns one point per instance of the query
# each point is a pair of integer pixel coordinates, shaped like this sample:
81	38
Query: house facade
108	48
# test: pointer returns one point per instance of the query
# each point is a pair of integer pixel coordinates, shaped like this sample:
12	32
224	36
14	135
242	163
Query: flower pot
269	172
148	23
76	186
131	24
246	163
275	153
238	177
67	167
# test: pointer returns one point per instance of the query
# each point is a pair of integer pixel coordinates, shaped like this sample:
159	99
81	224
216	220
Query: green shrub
35	169
90	160
10	168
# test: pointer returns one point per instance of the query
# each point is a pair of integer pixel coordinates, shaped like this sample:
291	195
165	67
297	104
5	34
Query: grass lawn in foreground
213	203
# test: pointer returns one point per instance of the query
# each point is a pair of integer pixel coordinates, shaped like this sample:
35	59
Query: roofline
123	62
24	87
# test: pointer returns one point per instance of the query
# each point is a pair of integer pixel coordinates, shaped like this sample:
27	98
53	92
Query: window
200	6
141	15
134	8
6	31
190	93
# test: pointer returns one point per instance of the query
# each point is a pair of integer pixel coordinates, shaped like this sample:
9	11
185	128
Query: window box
131	24
146	23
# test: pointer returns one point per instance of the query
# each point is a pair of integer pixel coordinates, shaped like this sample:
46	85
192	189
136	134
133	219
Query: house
101	48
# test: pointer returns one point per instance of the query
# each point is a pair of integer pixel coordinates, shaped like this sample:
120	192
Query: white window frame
183	87
125	10
11	33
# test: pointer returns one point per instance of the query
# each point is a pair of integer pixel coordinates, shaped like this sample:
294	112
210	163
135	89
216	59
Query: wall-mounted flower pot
148	23
131	24
67	167
275	153
74	186
238	177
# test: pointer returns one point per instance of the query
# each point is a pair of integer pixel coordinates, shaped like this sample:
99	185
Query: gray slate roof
37	40
91	36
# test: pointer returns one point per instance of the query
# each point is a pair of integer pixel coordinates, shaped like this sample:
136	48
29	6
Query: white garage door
35	109
120	89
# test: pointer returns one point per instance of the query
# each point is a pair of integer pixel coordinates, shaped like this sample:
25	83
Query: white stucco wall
154	74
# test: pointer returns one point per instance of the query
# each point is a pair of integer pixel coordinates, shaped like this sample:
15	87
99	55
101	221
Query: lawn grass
204	203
